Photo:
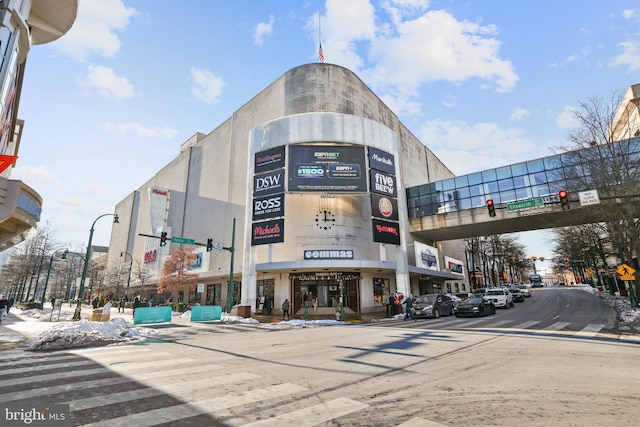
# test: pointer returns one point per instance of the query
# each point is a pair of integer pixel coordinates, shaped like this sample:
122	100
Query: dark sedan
433	305
474	306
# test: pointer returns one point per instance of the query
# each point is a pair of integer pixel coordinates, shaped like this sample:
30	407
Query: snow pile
84	333
298	324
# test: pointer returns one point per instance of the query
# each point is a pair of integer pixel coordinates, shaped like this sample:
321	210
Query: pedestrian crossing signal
209	245
564	199
163	238
491	208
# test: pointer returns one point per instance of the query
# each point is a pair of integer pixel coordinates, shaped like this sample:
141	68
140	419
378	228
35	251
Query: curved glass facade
573	171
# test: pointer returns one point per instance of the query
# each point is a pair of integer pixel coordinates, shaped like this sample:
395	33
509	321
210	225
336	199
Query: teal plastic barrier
149	315
201	313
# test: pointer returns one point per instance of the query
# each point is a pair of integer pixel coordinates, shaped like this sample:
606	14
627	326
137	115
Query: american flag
320	55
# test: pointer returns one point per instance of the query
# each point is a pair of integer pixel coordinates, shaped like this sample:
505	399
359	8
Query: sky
482	83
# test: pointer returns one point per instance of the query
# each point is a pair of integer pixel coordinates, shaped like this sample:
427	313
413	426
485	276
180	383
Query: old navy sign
384	207
386	232
269	160
268	183
268	207
382	161
383	183
266	232
328	254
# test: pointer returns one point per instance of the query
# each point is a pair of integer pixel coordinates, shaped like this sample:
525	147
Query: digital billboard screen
327	168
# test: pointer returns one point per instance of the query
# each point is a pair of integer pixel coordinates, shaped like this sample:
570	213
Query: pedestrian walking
4	304
95	302
285	309
409	308
136	304
121	305
106	310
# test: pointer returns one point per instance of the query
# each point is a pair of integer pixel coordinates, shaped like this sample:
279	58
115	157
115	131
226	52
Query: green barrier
148	315
200	313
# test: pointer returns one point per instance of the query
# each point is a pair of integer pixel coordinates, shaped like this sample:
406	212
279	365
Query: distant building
23	24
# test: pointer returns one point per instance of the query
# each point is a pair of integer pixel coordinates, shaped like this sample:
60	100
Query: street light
76	314
46	282
130	267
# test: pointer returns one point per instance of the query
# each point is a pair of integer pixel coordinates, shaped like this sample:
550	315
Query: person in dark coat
391	306
95	302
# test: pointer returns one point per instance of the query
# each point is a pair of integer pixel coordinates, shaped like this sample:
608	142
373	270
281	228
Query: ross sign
589	197
183	240
268	207
525	204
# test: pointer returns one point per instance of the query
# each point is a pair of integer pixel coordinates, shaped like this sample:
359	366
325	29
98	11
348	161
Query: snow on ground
54	331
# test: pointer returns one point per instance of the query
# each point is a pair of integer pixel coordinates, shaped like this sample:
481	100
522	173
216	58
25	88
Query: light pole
76	314
46	282
130	267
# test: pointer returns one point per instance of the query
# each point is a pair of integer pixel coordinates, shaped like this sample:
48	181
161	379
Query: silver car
524	289
433	305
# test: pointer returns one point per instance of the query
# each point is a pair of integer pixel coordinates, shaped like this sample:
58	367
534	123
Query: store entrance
325	291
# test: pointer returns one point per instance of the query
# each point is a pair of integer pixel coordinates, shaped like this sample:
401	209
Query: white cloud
94	30
261	30
139	130
207	87
630	56
106	82
466	148
414	49
519	114
566	119
629	14
38	176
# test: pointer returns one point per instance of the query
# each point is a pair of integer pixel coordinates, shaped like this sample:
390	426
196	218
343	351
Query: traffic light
565	259
564	199
209	245
491	208
163	238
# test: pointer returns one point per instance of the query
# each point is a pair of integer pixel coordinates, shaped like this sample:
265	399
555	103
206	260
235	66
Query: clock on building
325	219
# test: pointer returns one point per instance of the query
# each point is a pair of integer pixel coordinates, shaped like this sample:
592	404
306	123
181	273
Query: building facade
23	23
302	192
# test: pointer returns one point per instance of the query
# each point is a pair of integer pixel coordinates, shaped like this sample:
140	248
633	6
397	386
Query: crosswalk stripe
56	376
314	415
591	330
178	390
525	325
420	422
497	324
557	326
82	385
192	409
20	361
41	367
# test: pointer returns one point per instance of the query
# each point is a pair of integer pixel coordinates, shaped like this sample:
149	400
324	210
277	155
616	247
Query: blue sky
482	83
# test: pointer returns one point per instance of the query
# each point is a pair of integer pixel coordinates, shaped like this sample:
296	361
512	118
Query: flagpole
320	54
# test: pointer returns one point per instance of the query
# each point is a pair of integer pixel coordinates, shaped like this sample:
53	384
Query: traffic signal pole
232	250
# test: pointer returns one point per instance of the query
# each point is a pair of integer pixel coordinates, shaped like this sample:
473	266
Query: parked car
524	289
517	294
455	298
500	297
433	305
474	306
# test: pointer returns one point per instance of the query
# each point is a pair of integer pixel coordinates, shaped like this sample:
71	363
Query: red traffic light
491	208
564	199
562	194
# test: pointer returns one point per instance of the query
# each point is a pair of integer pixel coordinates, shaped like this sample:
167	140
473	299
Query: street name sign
525	204
183	241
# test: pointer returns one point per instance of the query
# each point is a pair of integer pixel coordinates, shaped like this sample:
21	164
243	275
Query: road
388	374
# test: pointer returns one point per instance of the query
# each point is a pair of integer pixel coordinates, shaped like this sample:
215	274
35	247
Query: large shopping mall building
312	171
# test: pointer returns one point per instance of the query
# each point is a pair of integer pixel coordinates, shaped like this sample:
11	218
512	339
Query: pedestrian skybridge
525	194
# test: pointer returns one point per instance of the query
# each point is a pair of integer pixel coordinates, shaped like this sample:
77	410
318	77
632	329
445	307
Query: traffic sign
217	246
589	197
183	240
525	204
625	270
